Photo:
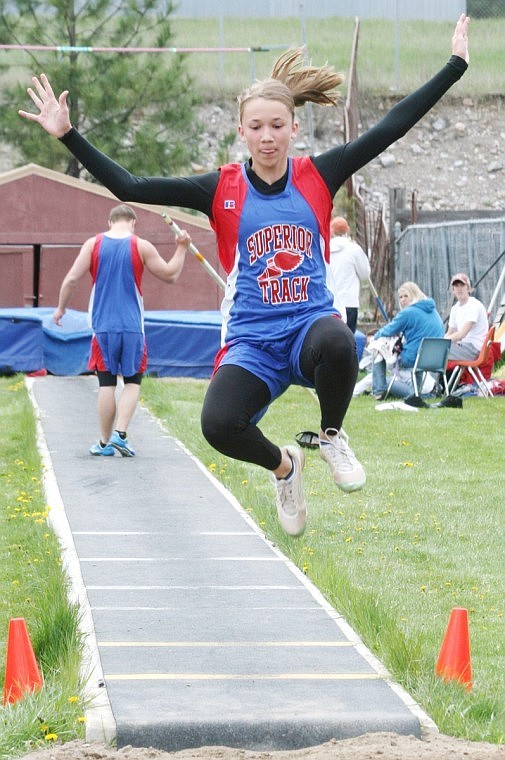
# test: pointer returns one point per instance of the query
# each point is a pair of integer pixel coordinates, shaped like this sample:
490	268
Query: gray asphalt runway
199	632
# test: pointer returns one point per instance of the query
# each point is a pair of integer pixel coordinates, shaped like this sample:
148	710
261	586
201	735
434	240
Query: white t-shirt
348	266
471	311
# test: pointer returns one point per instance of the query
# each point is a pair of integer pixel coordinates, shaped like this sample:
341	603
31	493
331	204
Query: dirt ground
368	747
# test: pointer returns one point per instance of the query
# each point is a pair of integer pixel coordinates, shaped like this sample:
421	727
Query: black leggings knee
233	398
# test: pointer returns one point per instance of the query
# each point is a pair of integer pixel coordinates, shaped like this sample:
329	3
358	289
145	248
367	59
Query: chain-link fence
430	254
485	8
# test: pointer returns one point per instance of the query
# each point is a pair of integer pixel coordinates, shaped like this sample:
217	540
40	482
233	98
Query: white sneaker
347	472
291	506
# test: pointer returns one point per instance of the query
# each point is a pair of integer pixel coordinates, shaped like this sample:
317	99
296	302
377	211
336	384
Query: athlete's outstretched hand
53	114
460	38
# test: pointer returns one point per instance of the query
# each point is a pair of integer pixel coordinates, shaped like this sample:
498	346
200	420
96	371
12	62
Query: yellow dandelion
73	699
407	464
51	737
81	719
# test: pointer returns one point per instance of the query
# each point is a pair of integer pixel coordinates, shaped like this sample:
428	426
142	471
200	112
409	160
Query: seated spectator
468	321
418	318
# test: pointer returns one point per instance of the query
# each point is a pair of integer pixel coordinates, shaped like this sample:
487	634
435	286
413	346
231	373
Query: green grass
422	49
424	536
34	587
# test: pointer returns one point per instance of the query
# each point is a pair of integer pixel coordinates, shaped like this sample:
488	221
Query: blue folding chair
432	356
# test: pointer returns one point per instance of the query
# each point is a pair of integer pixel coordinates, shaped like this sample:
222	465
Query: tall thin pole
308	106
397	47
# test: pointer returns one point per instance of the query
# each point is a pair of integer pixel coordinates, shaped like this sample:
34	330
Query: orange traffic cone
21	670
453	662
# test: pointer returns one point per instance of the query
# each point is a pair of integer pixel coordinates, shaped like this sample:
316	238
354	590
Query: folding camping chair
474	367
431	356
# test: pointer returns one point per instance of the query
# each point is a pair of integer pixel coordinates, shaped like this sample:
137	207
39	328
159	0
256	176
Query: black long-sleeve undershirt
335	165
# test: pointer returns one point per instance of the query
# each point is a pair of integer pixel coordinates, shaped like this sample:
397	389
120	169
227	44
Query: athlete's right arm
76	272
195	192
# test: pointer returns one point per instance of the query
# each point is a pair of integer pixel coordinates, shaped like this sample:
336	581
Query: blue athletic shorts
276	362
118	353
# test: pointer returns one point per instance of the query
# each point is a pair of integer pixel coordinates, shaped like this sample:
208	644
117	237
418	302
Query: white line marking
245	677
195	588
224	644
181	559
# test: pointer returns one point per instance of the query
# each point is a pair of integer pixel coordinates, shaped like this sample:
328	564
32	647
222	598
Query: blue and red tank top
275	251
116	303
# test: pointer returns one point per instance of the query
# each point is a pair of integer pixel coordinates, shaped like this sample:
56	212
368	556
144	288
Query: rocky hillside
453	157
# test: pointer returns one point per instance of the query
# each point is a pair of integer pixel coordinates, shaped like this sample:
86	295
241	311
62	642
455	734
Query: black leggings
328	360
107	380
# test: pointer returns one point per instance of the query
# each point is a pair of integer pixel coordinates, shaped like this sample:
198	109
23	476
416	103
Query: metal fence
428	10
403	10
430	254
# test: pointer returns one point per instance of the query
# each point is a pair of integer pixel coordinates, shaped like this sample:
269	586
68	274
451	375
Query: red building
45	217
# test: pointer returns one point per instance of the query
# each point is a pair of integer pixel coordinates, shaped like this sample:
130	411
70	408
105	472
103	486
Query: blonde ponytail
315	84
294	83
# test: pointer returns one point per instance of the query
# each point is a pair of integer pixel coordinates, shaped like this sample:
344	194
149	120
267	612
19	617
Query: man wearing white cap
468	321
348	266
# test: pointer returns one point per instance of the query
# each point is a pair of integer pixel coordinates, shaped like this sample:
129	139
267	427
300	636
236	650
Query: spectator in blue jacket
418	318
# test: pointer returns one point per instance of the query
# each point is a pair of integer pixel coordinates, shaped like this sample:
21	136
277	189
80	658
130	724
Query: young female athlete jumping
272	216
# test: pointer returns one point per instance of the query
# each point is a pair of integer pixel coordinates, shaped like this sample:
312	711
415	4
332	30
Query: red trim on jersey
93	268
226	212
230	195
312	187
137	263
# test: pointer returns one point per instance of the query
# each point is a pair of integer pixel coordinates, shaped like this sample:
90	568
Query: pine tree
136	107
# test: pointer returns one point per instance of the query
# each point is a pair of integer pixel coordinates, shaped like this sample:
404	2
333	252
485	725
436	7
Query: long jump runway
198	631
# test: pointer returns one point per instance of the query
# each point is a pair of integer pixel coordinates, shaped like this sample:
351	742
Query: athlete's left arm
339	163
168	271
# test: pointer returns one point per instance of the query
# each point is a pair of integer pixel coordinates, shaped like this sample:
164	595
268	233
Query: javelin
378	301
210	270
